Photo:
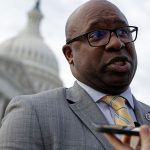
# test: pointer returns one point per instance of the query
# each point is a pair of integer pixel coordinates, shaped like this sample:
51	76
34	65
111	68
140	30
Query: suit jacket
61	119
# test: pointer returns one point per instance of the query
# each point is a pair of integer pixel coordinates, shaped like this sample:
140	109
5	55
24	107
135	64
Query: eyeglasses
102	37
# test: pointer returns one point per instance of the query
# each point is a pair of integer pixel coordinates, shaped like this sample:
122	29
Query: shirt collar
96	95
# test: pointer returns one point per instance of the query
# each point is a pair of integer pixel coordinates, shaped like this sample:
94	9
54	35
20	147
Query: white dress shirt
105	108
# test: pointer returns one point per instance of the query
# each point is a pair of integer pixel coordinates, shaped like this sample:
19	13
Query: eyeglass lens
101	37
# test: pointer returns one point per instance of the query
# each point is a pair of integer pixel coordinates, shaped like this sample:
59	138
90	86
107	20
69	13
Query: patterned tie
122	116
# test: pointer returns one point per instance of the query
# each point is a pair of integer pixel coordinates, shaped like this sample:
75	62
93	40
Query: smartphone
116	129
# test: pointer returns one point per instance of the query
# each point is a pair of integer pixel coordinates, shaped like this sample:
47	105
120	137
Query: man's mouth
119	64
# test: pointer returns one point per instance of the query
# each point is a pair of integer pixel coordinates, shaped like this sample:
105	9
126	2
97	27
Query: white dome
30	50
28	46
32	59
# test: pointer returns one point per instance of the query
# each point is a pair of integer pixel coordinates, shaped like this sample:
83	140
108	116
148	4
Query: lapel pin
148	116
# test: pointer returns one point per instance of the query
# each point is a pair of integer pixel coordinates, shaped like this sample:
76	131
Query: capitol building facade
27	64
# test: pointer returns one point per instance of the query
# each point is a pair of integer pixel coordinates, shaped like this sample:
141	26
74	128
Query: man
102	57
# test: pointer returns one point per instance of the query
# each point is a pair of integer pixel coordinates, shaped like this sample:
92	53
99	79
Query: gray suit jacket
61	119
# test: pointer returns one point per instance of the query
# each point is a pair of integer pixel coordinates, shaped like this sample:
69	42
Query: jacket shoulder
43	96
143	105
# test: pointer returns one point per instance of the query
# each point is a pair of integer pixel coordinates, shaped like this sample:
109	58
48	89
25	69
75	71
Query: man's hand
124	144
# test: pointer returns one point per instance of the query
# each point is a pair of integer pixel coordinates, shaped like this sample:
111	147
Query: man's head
108	64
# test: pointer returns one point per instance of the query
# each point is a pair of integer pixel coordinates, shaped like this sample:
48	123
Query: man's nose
114	43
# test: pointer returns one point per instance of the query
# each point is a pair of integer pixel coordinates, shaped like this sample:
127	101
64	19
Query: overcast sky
13	16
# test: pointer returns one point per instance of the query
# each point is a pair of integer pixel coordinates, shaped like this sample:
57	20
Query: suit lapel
141	112
87	110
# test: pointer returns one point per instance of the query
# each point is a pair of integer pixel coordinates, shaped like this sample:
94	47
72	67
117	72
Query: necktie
122	116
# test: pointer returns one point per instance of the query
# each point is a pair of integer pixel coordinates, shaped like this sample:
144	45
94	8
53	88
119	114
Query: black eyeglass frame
85	35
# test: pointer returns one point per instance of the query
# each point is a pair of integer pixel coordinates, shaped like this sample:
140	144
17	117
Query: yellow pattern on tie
122	116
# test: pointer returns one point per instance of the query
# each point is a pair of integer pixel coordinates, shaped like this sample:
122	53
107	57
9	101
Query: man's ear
67	50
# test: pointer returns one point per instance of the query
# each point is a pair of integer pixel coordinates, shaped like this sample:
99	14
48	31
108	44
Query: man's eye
97	35
124	32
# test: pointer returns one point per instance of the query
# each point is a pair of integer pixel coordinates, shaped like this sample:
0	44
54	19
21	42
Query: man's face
108	68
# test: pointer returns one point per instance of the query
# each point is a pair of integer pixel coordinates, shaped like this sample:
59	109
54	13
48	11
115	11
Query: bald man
100	51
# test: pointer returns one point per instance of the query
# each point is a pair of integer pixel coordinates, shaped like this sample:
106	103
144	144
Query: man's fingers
145	137
117	144
126	139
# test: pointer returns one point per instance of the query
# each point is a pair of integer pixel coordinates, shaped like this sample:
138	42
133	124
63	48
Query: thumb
145	137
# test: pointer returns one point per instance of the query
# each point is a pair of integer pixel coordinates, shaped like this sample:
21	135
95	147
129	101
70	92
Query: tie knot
116	102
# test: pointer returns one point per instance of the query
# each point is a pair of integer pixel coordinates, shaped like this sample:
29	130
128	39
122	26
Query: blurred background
19	18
